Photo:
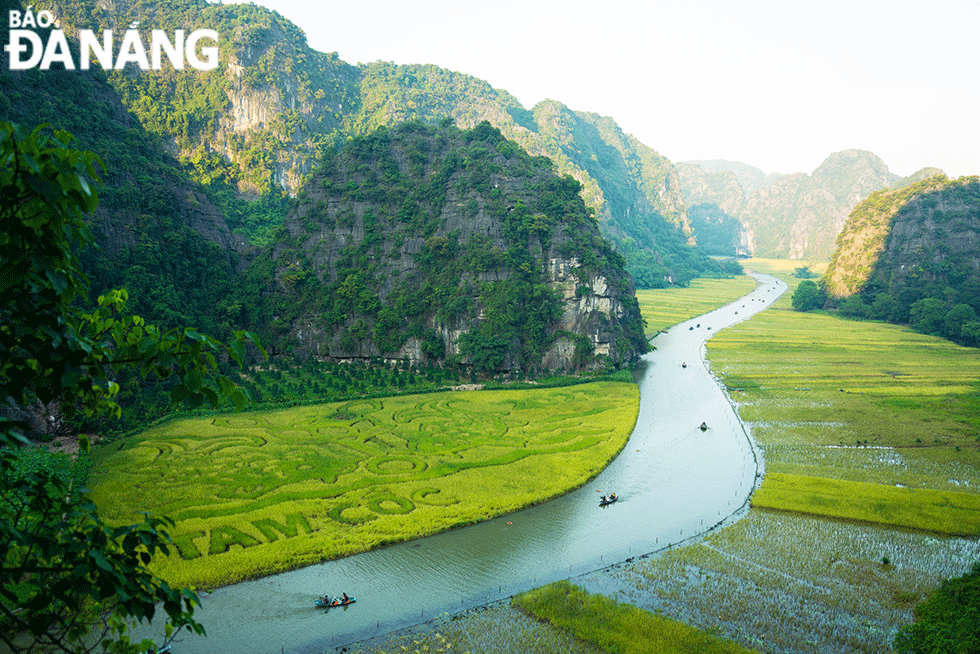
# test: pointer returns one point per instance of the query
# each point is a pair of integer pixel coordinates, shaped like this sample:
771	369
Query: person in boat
345	599
612	498
684	365
704	426
603	499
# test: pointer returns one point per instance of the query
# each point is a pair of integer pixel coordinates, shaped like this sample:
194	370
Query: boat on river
606	501
329	603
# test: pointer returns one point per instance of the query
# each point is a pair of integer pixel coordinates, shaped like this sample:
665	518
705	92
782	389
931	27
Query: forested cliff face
158	233
434	244
253	128
908	245
794	216
259	119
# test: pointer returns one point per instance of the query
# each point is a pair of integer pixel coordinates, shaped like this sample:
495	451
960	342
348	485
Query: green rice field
618	627
876	410
261	492
663	308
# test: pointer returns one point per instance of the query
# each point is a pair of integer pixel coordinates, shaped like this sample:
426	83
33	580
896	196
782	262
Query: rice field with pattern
262	492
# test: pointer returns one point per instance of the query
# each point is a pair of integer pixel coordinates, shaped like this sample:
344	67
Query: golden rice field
261	492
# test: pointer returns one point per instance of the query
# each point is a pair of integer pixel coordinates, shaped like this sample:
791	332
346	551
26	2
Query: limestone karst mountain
433	244
907	246
253	128
793	216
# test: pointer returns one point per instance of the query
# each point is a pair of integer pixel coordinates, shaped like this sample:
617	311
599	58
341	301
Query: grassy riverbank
262	492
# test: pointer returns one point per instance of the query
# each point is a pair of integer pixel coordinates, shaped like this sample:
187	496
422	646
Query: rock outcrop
915	242
794	216
435	244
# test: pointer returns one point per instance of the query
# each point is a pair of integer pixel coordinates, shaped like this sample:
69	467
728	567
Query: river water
674	482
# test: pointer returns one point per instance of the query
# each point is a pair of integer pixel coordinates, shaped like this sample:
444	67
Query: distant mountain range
795	216
206	171
273	107
253	129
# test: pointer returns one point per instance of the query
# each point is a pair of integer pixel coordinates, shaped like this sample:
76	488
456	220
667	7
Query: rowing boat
324	603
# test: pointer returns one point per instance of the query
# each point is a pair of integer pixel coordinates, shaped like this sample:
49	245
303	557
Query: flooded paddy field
787	584
774	582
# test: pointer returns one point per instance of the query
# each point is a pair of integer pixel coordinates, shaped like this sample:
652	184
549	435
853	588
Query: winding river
675	482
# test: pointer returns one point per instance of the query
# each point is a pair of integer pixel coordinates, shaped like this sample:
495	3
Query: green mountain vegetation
68	582
252	129
436	244
910	256
162	226
157	233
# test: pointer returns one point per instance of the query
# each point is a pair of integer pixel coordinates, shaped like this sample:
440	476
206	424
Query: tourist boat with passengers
331	602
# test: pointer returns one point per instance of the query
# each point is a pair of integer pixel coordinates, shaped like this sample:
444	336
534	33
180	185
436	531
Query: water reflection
674	481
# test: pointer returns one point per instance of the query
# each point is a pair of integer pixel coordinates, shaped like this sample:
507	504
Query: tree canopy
66	575
947	620
808	296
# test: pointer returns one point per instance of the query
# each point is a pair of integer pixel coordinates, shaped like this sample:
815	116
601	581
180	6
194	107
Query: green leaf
100	560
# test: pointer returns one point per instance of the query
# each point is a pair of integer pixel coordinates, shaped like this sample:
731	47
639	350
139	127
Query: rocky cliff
436	244
911	243
795	216
260	119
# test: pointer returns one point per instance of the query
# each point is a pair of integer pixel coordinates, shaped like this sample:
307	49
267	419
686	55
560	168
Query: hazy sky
779	85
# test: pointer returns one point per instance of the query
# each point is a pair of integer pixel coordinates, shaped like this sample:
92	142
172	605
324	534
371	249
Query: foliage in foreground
617	627
64	572
947	621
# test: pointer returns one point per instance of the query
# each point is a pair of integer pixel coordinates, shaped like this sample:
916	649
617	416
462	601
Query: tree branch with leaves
68	581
